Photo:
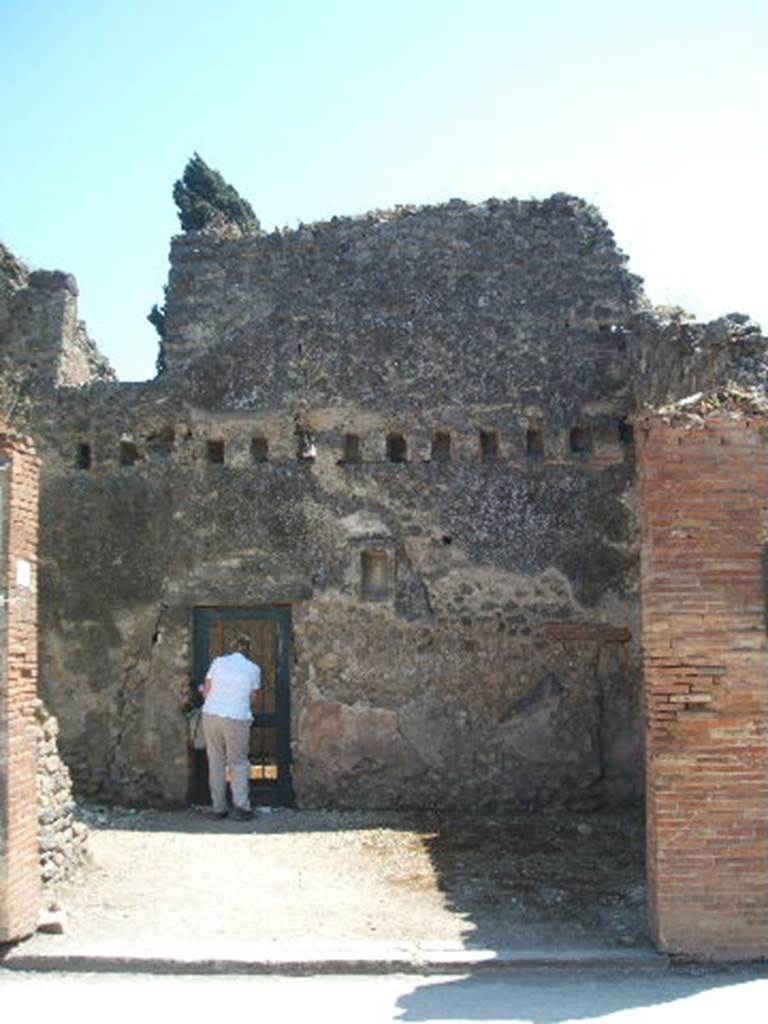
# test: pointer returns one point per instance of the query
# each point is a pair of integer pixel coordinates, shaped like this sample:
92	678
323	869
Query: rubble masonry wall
258	470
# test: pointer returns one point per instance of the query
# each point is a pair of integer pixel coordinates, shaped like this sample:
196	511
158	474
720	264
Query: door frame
279	793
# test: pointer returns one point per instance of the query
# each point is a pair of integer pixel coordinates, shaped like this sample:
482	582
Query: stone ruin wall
42	341
679	358
461	665
504	662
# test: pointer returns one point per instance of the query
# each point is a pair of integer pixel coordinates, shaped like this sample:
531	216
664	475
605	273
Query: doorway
269	630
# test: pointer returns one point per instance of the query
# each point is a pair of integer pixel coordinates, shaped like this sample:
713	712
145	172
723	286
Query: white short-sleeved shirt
233	679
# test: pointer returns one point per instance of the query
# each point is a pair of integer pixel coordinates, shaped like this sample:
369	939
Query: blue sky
656	112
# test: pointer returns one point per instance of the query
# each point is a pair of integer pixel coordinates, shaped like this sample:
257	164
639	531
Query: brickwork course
704	502
19	848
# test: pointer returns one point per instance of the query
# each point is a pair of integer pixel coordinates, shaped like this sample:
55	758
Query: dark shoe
242	814
219	814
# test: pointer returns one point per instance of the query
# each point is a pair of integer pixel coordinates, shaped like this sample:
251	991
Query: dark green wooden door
269	630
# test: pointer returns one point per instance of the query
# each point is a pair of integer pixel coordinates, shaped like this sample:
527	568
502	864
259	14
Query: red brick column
19	855
704	514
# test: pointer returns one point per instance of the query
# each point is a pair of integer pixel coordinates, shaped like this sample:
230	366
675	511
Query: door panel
263	636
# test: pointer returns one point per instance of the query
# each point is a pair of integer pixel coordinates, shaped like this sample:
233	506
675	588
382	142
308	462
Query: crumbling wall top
729	402
43	344
723	362
442	299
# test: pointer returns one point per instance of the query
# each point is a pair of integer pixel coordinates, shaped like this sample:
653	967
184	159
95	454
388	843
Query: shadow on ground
546	997
555	876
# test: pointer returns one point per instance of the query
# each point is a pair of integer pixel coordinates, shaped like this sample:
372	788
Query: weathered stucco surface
498	659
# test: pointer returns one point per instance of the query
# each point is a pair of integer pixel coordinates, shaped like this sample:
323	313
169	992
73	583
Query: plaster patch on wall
364	525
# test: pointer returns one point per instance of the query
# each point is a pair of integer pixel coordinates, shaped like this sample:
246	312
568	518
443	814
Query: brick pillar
704	514
19	855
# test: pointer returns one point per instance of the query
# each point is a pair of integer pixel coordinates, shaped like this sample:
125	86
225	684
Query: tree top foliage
205	200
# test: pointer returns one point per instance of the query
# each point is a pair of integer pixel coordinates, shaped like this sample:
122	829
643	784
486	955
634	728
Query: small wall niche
352	448
83	456
214	452
580	440
626	432
534	443
489	444
397	448
128	454
442	444
259	449
375	574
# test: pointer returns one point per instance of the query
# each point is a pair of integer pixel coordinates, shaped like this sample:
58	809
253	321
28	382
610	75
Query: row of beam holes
129	453
441	449
580	443
259	451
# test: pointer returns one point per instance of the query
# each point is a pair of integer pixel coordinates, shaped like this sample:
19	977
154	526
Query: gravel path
345	877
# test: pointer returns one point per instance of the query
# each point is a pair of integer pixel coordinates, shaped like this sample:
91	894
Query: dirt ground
471	880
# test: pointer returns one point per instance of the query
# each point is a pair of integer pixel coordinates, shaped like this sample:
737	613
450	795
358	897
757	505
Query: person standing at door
229	688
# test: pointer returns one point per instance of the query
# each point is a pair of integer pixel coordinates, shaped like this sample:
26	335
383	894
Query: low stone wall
63	839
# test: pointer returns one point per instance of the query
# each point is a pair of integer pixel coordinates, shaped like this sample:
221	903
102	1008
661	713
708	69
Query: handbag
195	729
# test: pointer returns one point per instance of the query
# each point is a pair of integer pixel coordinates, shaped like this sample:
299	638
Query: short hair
243	645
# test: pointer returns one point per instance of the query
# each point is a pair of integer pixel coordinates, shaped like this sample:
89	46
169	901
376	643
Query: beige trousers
226	740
